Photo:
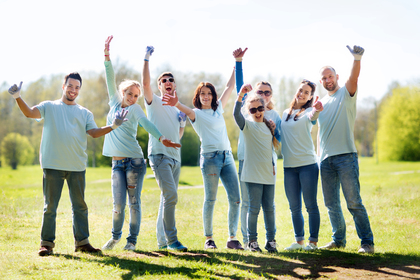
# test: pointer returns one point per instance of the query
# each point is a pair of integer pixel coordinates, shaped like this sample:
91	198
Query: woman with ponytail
300	163
258	168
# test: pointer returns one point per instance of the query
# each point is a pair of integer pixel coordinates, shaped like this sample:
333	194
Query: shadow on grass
302	265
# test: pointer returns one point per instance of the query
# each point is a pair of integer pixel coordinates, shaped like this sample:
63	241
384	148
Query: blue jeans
215	165
167	171
344	169
244	204
261	194
298	181
127	178
53	182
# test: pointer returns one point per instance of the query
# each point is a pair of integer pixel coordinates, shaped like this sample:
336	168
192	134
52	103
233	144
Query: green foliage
16	150
190	150
399	125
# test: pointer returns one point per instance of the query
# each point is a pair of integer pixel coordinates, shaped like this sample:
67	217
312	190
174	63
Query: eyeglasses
170	80
266	93
254	110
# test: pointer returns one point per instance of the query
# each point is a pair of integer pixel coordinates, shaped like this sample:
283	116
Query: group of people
64	140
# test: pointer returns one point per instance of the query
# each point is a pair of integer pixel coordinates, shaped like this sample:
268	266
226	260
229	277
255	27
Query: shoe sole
44	253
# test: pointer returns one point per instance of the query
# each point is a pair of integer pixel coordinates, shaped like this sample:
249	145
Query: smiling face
329	80
206	97
130	96
70	91
258	116
167	85
262	90
303	95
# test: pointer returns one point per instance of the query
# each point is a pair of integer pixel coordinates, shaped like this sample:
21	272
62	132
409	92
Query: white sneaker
130	246
110	244
367	249
310	247
294	246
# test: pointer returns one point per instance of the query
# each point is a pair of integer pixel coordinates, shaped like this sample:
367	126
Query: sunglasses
170	80
307	81
266	93
254	110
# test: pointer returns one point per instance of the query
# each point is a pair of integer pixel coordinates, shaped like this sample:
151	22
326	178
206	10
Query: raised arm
109	70
173	101
238	54
33	112
317	107
239	118
228	90
148	93
351	83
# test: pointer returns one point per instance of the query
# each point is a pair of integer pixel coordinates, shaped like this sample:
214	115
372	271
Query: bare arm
228	90
32	113
181	132
147	89
174	101
98	132
351	84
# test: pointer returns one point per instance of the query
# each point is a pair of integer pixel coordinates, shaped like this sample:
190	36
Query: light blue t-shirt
336	124
64	138
297	147
211	128
258	161
122	142
165	118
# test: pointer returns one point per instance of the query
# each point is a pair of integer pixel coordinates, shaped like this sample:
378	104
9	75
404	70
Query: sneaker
270	246
130	246
209	244
331	245
110	244
177	246
234	244
45	251
87	248
253	246
366	249
310	247
295	246
163	247
246	245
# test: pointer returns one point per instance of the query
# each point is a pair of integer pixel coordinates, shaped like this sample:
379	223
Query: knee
118	208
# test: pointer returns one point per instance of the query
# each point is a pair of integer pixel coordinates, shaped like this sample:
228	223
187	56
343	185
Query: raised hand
169	143
318	105
107	42
15	90
169	99
357	52
239	53
245	89
149	51
119	118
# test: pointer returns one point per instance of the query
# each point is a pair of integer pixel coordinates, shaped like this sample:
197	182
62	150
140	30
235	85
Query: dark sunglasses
254	110
307	81
170	80
266	93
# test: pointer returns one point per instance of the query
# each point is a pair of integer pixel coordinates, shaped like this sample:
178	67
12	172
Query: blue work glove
15	90
119	118
182	118
357	52
149	51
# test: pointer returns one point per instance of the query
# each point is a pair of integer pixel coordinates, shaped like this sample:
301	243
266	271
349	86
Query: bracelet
107	55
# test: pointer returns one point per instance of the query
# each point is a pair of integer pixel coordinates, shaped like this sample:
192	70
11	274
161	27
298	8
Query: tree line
393	121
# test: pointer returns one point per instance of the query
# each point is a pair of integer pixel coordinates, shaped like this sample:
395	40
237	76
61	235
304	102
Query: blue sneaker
177	246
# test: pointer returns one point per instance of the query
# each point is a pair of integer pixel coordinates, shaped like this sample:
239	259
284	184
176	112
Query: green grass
390	192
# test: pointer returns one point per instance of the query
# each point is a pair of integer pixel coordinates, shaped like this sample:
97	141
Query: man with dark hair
338	155
63	157
165	162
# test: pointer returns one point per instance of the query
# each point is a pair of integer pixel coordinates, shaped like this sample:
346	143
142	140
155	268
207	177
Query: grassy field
390	192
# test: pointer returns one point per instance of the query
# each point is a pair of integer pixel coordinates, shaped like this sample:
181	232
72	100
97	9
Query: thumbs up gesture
317	105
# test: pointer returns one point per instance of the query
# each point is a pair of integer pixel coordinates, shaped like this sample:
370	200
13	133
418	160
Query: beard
332	87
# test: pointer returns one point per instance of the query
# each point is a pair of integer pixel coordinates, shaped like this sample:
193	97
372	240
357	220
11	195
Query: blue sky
285	38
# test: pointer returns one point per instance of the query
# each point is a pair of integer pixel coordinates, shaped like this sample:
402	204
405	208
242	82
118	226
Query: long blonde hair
256	98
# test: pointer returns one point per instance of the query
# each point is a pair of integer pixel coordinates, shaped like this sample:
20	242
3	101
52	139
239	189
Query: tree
399	125
16	150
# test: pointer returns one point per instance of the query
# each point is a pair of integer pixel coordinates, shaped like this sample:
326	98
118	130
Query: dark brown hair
73	75
306	105
196	99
